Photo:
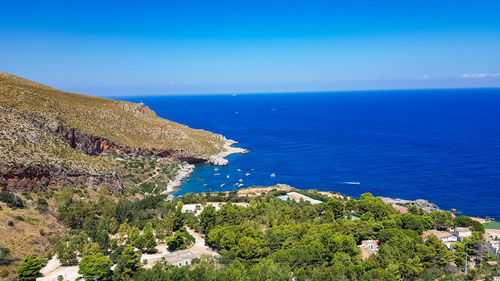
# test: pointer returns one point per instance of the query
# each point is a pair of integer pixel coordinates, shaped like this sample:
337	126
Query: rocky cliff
54	139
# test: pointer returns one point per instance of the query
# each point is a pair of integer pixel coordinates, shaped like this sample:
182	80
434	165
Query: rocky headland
53	139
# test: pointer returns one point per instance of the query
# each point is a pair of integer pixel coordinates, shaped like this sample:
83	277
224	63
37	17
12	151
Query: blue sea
439	145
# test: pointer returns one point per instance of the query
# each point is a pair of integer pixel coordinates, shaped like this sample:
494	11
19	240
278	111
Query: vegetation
11	199
95	267
126	123
29	268
270	239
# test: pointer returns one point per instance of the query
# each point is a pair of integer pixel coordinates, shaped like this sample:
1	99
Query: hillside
51	138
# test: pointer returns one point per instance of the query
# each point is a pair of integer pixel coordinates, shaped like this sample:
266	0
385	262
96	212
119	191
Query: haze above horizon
195	47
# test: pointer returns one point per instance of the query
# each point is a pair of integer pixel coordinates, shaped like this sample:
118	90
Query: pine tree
149	238
178	219
95	267
127	264
29	268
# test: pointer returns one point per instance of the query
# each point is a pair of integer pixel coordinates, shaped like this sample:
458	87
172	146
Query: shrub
19	218
5	258
29	268
27	195
11	199
42	205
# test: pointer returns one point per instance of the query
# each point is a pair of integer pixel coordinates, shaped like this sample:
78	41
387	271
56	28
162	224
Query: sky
139	48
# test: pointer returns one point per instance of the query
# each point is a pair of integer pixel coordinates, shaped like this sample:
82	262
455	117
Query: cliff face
53	139
40	178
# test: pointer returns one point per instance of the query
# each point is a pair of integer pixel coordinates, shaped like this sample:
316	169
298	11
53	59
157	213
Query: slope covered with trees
269	239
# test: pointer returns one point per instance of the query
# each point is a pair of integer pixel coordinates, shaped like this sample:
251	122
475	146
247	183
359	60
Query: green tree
336	206
442	219
133	234
91	248
149	238
28	270
208	218
66	250
123	230
95	267
180	241
127	264
102	238
178	218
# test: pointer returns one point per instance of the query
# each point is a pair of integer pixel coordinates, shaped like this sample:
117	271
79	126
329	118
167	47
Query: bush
11	199
27	195
19	218
5	258
29	268
42	205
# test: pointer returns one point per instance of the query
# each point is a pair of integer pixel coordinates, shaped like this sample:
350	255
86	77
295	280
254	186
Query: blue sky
189	47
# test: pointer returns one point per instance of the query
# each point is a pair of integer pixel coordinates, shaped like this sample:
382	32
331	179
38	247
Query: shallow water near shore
439	145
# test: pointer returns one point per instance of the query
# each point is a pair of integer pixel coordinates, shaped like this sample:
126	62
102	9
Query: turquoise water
439	145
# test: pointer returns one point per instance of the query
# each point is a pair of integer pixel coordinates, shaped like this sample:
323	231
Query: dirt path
54	268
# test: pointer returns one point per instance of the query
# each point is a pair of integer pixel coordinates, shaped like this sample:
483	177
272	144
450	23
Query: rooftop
437	233
401	209
478	219
297	197
179	256
462	229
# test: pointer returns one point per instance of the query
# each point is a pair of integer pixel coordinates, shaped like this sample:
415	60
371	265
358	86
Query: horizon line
299	92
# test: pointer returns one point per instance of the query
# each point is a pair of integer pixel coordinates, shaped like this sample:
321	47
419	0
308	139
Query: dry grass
30	236
127	123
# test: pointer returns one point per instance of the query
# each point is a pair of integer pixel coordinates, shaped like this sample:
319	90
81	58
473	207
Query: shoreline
185	170
219	159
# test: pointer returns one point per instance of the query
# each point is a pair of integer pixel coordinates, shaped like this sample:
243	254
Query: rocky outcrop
95	145
419	203
40	178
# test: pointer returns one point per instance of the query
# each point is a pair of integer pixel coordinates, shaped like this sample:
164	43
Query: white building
448	238
462	232
370	244
494	248
180	258
368	247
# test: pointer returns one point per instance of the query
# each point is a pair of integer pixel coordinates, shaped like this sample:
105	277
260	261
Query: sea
439	145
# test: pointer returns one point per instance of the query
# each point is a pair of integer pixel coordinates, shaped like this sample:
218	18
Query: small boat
222	185
217	174
227	176
273	175
240	180
239	170
247	174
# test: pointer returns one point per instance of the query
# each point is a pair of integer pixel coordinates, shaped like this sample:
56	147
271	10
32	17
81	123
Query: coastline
219	159
185	170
